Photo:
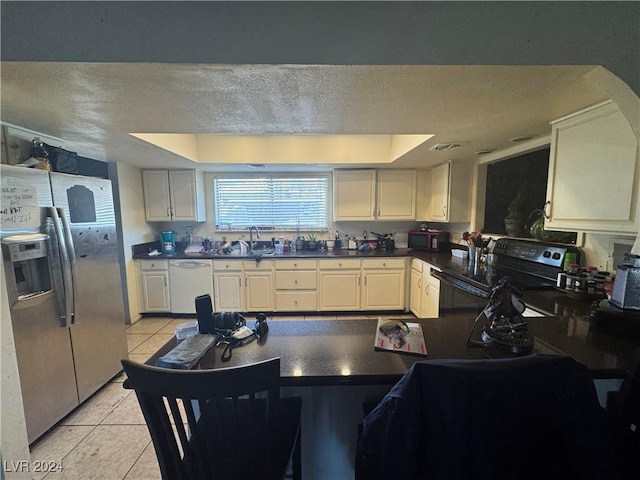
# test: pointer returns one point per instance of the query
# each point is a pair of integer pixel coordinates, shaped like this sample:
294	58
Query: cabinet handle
544	209
340	264
295	265
246	280
420	283
426	289
295	281
240	281
384	264
378	211
365	280
444	210
168	212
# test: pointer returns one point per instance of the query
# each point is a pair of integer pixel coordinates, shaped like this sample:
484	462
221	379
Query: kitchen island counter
341	352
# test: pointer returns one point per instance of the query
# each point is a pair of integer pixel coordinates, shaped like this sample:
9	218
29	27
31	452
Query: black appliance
385	241
605	316
529	264
432	240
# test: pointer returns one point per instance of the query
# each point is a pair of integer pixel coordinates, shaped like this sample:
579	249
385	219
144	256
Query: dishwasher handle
189	264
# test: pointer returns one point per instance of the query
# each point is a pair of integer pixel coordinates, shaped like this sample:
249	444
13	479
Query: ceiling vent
441	147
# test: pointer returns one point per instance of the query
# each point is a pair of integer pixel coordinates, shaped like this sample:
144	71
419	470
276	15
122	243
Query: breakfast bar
333	366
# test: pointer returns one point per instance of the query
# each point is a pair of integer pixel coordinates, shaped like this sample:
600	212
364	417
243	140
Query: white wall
134	227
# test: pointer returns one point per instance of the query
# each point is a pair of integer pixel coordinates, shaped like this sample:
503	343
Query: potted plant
312	242
514	221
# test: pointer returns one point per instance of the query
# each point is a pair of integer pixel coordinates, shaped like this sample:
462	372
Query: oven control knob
556	256
546	254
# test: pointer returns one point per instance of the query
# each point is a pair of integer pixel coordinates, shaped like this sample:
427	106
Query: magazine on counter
396	335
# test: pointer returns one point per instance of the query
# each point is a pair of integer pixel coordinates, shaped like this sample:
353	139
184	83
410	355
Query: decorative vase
514	226
472	253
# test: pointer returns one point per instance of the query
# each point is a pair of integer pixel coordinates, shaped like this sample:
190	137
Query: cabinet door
228	291
383	290
431	305
157	202
183	194
415	294
593	172
339	290
440	193
155	291
396	197
354	195
259	292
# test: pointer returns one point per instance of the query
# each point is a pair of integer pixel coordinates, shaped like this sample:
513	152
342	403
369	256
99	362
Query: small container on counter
570	283
561	281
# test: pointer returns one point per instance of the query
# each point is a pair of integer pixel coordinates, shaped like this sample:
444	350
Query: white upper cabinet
354	195
396	197
594	170
446	195
173	195
370	195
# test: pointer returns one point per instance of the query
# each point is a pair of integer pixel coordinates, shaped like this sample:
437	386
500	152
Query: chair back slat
227	412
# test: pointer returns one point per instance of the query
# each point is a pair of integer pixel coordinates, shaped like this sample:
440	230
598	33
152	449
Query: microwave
429	240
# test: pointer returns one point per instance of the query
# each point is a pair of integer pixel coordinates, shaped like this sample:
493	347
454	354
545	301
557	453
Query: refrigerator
62	277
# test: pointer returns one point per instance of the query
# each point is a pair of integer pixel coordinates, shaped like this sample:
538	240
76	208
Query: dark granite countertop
341	352
141	252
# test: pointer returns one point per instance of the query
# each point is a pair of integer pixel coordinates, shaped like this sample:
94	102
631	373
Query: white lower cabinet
339	285
383	283
153	286
291	285
228	285
296	285
258	284
244	286
424	299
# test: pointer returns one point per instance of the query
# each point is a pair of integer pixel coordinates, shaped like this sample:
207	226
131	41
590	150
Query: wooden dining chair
228	423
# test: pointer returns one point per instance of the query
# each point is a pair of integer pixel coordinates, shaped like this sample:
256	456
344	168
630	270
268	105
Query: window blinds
272	202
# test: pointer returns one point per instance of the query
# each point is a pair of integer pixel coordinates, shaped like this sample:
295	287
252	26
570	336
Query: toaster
626	287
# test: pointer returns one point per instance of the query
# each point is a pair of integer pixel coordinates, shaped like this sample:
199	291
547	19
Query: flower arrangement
474	239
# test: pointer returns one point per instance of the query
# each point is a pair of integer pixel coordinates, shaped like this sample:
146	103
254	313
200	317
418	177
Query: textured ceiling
94	107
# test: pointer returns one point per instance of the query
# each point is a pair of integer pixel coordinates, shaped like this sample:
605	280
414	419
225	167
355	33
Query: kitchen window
279	202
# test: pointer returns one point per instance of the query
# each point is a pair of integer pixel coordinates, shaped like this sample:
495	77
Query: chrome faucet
251	245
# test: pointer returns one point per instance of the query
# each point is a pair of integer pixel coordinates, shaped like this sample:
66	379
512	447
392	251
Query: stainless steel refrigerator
62	276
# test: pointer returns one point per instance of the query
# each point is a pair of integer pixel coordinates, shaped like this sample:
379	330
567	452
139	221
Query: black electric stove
530	265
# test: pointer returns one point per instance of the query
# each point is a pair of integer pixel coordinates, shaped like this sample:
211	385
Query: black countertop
341	352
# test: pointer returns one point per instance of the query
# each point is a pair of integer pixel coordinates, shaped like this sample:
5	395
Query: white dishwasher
187	280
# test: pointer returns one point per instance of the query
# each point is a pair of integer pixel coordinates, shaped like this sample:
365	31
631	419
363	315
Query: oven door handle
462	285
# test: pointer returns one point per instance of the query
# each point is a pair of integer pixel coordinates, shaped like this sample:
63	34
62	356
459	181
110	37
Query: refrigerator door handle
67	279
72	262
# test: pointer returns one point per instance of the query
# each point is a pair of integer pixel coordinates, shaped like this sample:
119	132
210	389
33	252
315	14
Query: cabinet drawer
296	301
303	280
153	264
296	264
383	263
264	265
339	264
227	266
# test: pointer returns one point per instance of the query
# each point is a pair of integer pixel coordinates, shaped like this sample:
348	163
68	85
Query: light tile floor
106	437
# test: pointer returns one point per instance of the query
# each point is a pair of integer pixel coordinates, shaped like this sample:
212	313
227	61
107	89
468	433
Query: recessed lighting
257	166
484	151
521	138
